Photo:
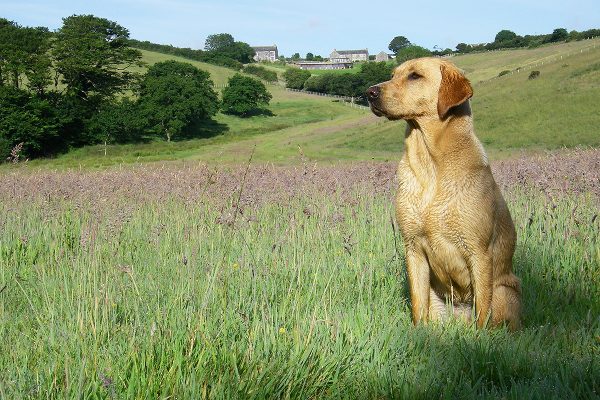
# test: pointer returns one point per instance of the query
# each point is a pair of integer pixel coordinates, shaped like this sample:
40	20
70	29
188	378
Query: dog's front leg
482	272
418	280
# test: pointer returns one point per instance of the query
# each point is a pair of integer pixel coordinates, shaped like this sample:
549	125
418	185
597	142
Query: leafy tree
239	51
398	43
37	60
558	35
116	122
296	56
310	57
93	55
410	52
218	41
504	36
295	78
27	119
373	73
24	52
175	96
244	95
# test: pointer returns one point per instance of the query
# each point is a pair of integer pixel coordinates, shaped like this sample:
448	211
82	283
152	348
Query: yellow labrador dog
458	234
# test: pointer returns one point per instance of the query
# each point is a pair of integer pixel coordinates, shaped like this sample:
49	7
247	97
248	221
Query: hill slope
512	114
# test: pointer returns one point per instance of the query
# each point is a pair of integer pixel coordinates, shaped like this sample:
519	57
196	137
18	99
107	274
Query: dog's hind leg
506	302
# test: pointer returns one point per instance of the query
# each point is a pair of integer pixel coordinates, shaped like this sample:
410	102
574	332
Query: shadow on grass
203	129
553	355
257	112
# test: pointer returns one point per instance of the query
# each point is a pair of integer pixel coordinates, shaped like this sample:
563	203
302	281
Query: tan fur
458	234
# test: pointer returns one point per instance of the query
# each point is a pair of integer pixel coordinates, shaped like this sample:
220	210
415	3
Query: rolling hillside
512	114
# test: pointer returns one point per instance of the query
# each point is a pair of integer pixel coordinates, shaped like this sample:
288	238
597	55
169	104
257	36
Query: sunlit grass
303	300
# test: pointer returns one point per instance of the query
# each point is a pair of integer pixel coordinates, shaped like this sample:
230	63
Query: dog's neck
445	142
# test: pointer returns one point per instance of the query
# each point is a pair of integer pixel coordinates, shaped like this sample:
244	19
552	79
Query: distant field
486	65
219	75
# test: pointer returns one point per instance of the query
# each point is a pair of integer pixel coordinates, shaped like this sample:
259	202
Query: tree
398	43
116	122
93	56
218	41
373	73
559	35
174	96
244	95
410	52
295	78
239	51
27	119
296	56
504	36
310	56
24	52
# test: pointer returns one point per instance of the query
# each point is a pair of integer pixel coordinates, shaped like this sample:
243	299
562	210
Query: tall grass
307	299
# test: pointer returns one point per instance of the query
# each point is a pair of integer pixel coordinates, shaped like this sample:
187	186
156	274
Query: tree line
506	39
83	85
351	85
220	49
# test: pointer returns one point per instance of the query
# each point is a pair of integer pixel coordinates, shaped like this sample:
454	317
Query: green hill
512	114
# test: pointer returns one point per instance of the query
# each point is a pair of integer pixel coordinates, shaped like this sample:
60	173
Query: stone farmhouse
265	53
382	56
349	55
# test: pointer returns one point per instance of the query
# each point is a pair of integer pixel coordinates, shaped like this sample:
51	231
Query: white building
265	53
349	55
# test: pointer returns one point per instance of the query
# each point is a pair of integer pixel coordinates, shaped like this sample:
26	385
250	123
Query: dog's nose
373	92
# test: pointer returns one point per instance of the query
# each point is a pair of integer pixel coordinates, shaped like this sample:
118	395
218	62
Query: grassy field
486	65
512	115
193	282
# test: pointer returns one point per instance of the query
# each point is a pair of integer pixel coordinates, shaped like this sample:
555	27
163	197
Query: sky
317	26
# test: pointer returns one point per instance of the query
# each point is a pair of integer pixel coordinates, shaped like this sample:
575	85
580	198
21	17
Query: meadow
260	281
260	258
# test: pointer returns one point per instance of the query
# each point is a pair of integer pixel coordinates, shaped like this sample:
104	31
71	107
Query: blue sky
317	26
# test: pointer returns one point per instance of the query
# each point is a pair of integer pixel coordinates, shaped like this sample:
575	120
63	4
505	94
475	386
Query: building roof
264	48
344	52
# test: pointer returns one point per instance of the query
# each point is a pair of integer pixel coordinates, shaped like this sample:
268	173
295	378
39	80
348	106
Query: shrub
534	75
261	72
175	96
505	72
244	95
295	78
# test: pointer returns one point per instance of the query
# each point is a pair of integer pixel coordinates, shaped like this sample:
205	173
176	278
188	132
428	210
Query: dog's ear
455	89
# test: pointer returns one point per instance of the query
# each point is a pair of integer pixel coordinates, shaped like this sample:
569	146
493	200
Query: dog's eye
414	76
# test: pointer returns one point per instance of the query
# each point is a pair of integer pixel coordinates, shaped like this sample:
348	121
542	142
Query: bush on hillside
175	96
261	72
244	95
534	75
295	78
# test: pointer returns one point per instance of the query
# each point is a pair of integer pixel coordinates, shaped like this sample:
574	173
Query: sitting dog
458	234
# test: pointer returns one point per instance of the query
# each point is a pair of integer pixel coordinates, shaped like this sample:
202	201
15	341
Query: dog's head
423	87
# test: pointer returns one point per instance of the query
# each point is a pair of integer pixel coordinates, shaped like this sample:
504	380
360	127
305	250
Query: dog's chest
427	220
